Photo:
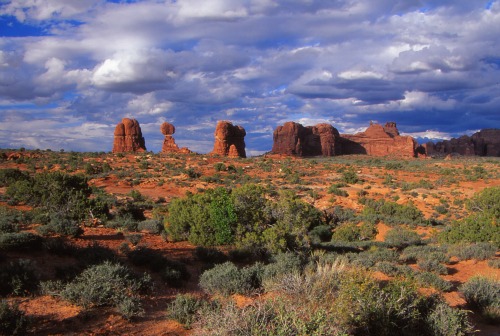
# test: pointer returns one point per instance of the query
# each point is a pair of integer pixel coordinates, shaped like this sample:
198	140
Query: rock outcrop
229	140
378	140
128	137
483	143
294	139
169	145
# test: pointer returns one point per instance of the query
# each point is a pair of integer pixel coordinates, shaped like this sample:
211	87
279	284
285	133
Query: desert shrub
13	321
219	166
108	284
494	263
20	241
153	226
18	278
184	309
414	253
12	175
347	232
339	215
268	317
446	321
391	213
402	238
60	224
483	294
134	239
210	255
283	263
205	219
321	233
482	224
227	279
367	231
433	280
369	258
350	177
431	265
337	191
393	269
478	251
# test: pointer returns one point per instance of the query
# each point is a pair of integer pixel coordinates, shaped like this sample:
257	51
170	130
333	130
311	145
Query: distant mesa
324	139
378	140
294	139
229	140
483	143
128	137
169	145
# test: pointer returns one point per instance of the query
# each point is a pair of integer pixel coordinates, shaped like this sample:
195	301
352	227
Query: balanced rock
229	140
378	140
294	139
169	145
128	137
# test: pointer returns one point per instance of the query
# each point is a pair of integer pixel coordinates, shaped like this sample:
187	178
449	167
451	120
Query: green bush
347	232
108	284
19	277
446	321
12	320
227	279
337	191
416	253
402	238
153	226
60	224
478	251
433	280
184	309
431	265
350	177
482	224
483	294
9	176
321	233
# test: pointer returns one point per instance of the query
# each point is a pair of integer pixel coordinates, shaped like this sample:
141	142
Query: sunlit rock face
128	137
229	140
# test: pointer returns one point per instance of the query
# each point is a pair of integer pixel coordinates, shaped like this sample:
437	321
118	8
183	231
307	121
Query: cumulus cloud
426	64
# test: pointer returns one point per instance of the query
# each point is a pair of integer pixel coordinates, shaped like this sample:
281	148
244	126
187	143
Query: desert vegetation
206	245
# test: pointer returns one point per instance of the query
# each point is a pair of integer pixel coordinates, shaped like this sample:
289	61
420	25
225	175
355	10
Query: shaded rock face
378	140
483	143
229	140
169	145
128	137
294	139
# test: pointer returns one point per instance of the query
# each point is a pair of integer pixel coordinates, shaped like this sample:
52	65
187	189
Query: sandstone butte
229	140
323	139
378	140
128	137
483	143
294	139
169	145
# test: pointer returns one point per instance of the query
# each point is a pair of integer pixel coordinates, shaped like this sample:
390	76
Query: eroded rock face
294	139
229	140
378	140
483	143
128	137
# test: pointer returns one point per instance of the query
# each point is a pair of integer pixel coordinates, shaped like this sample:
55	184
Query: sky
70	70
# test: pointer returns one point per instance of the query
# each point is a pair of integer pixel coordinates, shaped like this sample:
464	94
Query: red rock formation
128	137
294	139
483	143
377	140
229	140
169	145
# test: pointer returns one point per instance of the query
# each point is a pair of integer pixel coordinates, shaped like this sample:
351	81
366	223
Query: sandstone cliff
169	145
483	143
